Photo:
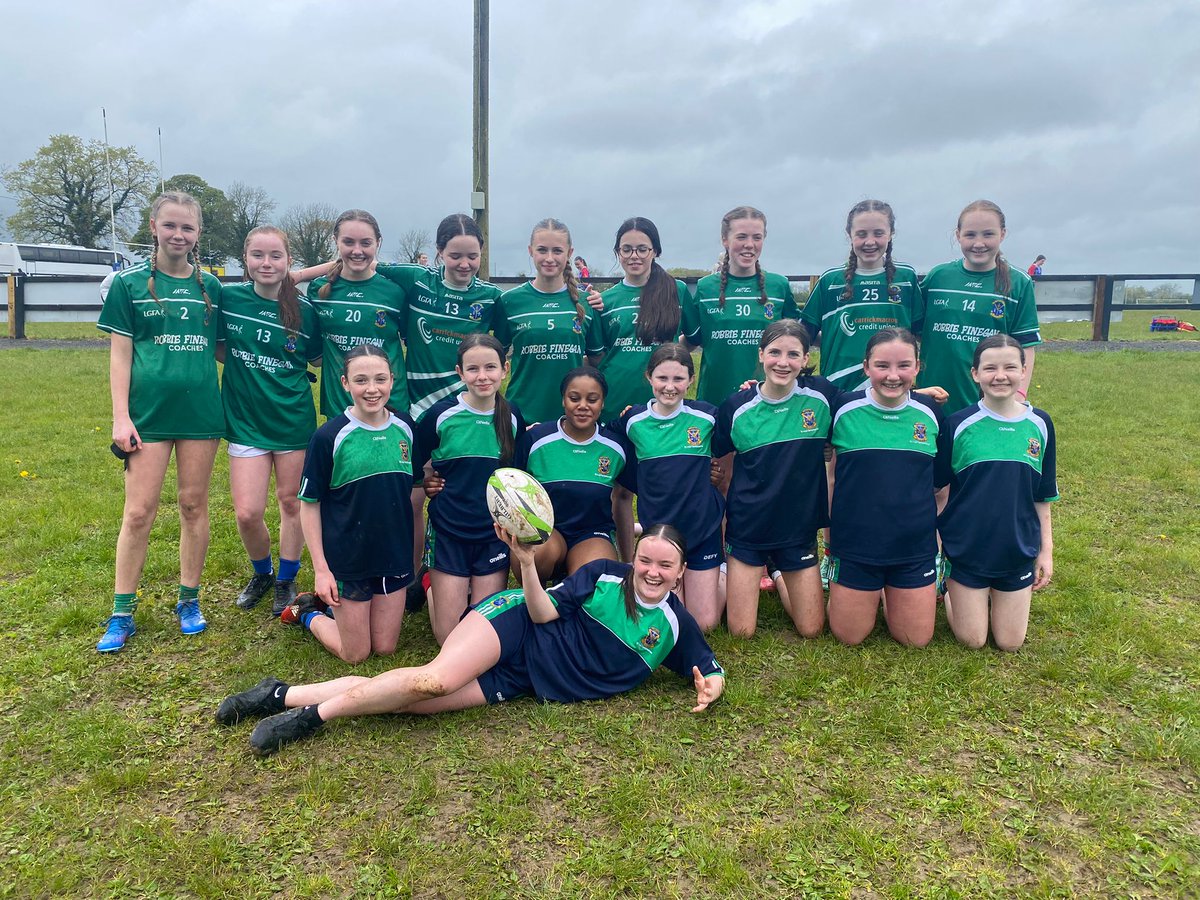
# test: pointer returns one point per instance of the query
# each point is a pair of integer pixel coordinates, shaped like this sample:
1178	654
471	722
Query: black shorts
1017	580
509	678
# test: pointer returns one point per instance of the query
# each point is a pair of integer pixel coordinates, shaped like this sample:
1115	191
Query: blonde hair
179	198
557	227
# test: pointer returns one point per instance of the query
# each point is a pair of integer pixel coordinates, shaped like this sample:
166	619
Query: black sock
311	717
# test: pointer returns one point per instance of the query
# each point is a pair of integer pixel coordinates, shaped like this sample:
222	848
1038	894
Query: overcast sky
1081	119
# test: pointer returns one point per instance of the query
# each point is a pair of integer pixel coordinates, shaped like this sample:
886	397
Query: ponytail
502	421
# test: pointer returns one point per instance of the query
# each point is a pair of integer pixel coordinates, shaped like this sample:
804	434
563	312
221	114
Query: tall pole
112	216
162	181
480	131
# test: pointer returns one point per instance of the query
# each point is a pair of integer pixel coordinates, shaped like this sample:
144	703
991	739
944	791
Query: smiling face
783	360
870	235
980	234
369	381
461	257
892	369
657	568
551	253
670	381
744	243
635	252
999	373
482	372
177	228
357	247
582	402
267	260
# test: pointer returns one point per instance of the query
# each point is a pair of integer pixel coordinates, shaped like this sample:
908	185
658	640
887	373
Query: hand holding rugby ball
520	505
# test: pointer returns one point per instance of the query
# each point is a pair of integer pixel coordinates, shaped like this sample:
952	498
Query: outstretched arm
708	690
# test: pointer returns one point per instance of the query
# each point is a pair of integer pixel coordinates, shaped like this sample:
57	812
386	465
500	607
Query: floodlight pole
480	131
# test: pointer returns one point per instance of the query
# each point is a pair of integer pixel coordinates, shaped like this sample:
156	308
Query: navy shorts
785	559
1017	580
362	590
861	576
509	678
706	554
578	537
454	556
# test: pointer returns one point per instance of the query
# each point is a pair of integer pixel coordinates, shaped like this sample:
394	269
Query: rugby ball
520	505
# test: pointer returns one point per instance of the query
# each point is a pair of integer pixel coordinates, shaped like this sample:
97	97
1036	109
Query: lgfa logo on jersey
290	346
693	436
651	638
603	465
475	313
577	325
808	417
1035	448
769	309
998	309
919	432
894	294
380	318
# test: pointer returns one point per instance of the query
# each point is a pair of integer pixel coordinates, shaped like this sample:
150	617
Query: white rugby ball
520	505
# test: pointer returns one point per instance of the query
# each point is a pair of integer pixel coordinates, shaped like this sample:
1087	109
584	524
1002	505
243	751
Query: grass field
1070	768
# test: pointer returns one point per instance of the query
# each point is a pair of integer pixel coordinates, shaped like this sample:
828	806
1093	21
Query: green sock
125	604
188	593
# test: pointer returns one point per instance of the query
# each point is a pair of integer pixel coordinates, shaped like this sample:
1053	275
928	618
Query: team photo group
912	470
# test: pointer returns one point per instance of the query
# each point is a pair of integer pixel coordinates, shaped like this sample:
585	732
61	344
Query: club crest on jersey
380	318
998	309
475	313
693	436
919	432
808	418
769	309
894	293
577	325
604	466
404	450
290	346
651	638
1035	448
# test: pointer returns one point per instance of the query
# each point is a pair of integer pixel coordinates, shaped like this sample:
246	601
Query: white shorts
245	451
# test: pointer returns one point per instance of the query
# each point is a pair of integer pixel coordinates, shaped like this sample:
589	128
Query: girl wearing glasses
733	306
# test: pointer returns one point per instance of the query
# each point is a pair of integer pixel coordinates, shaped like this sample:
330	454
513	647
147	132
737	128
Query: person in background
1035	267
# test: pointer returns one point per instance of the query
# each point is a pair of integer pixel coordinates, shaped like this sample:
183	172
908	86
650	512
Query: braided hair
289	294
1003	276
889	267
557	227
741	212
350	215
179	198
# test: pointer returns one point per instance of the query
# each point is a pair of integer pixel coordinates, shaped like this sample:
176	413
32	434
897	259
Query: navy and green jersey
359	312
845	326
730	334
997	469
362	475
461	443
265	388
578	475
548	340
173	387
961	309
883	507
625	357
778	496
593	649
669	459
438	316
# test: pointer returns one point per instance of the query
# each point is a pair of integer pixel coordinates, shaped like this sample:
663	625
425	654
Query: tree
249	208
216	238
310	228
412	244
63	192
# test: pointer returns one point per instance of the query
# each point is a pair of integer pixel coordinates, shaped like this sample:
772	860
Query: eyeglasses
640	252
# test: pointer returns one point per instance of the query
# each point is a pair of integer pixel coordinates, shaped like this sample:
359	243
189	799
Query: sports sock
306	619
288	569
188	593
311	716
262	566
125	604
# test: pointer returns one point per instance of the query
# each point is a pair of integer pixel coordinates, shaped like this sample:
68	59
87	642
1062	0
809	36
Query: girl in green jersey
640	313
163	318
270	336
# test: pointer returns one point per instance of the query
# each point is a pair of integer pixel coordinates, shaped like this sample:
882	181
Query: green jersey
359	312
437	317
730	334
267	396
548	340
173	388
845	326
961	309
625	357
